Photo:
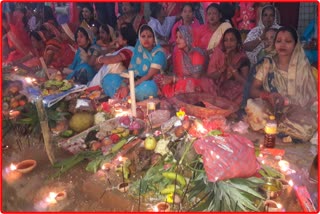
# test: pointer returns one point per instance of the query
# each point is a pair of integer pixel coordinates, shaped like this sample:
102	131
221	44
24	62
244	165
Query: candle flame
279	205
120	158
262	162
13	167
290	183
261	155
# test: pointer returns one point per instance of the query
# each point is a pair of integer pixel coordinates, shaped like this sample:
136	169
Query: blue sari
82	71
141	61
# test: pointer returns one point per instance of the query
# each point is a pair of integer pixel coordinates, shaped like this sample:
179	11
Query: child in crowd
268	44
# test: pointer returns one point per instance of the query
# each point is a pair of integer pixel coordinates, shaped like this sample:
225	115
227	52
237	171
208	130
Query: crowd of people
172	52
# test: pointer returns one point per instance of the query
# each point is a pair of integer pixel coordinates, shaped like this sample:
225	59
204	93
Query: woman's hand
275	99
122	92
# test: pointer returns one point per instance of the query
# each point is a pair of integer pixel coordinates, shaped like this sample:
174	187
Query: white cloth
115	68
162	29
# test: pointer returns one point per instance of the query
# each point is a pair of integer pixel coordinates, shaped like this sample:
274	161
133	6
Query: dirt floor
86	191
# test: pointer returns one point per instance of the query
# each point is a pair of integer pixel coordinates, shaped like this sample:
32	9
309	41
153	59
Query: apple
150	143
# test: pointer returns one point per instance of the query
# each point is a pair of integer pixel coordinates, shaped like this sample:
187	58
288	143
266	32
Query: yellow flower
180	114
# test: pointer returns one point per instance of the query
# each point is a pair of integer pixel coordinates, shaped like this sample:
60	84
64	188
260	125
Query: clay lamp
61	195
162	207
26	166
272	206
123	187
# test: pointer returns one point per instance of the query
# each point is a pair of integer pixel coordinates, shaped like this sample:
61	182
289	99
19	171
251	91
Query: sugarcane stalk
44	124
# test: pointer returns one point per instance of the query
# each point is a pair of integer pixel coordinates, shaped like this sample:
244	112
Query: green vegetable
118	145
66	133
172	176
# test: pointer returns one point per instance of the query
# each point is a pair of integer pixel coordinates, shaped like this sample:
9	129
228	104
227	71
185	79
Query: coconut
81	121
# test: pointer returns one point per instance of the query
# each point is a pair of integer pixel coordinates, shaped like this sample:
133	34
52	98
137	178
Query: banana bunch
121	132
173	192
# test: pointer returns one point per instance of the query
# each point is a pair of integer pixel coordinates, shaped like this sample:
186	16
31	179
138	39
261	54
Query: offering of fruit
150	143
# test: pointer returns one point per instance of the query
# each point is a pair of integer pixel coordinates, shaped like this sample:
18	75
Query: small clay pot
123	187
26	166
61	195
272	206
163	207
106	166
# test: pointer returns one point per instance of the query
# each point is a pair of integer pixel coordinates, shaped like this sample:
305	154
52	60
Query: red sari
18	38
227	86
187	66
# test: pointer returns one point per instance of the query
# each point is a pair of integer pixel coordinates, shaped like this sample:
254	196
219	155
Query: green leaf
247	189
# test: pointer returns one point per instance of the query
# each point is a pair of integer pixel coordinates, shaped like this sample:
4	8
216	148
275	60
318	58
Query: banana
170	189
125	133
172	176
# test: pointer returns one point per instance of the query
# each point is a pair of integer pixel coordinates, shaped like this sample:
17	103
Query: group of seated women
211	58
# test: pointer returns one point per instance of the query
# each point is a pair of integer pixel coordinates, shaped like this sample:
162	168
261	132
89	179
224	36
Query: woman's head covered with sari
299	70
268	17
186	33
194	59
144	58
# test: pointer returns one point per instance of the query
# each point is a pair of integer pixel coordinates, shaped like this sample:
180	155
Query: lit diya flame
13	114
284	165
291	183
120	112
13	167
51	199
201	129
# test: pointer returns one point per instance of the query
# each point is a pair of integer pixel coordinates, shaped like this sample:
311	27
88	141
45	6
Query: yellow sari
299	118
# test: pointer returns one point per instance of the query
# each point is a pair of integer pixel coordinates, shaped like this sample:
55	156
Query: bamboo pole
45	128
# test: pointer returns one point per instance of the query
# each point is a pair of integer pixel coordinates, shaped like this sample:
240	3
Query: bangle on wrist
99	58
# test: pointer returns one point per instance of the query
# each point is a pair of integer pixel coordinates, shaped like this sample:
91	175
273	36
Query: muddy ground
86	191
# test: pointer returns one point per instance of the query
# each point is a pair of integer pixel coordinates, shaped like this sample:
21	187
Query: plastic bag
225	157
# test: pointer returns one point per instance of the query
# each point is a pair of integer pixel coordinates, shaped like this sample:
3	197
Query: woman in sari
131	15
188	63
208	36
18	40
148	60
229	66
80	70
254	40
286	87
108	76
188	18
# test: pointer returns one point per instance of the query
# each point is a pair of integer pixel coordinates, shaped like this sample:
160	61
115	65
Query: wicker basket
214	105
